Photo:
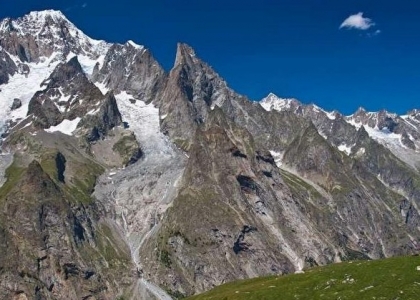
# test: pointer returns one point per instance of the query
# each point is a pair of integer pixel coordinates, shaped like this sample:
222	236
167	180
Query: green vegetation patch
126	147
48	164
393	278
107	249
299	186
80	188
182	144
12	174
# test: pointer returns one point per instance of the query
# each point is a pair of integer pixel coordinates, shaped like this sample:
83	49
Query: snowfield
66	127
23	88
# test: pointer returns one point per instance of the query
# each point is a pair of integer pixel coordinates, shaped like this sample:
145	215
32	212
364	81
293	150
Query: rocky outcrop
7	67
194	89
16	104
68	94
128	148
96	125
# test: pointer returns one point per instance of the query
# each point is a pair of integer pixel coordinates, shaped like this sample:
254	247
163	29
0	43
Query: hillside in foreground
393	278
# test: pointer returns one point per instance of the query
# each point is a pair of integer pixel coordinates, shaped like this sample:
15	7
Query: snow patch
331	115
102	87
352	122
87	63
385	136
277	158
131	43
346	149
273	102
23	87
66	127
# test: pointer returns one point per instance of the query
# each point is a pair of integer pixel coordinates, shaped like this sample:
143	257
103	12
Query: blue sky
294	48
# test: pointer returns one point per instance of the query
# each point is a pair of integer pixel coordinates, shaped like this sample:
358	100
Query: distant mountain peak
274	102
46	33
33	22
49	13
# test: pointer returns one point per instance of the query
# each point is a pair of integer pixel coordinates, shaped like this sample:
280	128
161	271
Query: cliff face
54	242
130	182
271	191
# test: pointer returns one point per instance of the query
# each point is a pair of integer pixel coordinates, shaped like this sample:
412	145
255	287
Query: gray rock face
307	138
97	125
130	68
46	242
191	90
229	187
16	104
7	67
68	94
380	154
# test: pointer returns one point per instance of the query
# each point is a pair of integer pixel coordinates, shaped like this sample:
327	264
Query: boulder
17	103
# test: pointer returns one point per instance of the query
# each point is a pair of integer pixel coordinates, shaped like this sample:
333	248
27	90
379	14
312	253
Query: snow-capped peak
133	44
56	15
273	102
53	34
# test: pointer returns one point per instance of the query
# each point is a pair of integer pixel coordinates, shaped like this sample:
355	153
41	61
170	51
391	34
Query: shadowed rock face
48	244
7	67
16	104
130	68
68	94
97	125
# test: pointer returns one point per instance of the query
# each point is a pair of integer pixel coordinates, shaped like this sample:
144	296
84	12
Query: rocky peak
193	89
131	43
414	112
32	22
185	55
382	120
273	102
65	72
95	126
68	94
44	33
37	180
132	68
360	111
6	25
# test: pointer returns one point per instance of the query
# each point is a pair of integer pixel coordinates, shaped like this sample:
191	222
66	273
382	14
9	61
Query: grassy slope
393	278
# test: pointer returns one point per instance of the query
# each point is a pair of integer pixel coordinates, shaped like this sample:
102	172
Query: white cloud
84	5
375	33
357	21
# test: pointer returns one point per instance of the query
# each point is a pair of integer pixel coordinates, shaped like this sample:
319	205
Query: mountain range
120	180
